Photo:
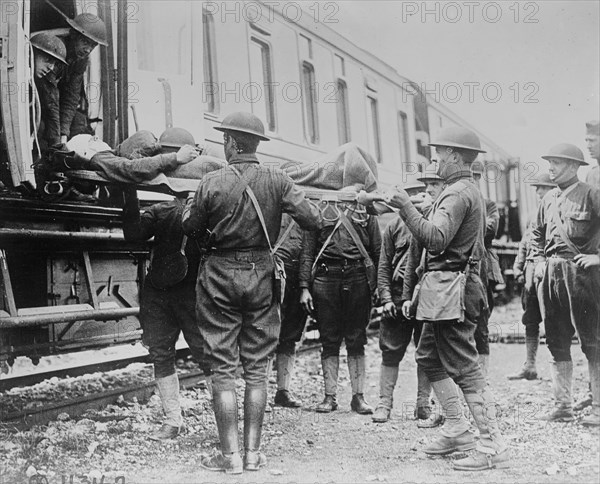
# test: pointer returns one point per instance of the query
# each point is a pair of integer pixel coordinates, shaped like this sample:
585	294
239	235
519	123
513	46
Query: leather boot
285	367
484	363
357	370
562	379
388	375
593	419
226	415
255	401
331	367
492	451
168	389
528	372
455	434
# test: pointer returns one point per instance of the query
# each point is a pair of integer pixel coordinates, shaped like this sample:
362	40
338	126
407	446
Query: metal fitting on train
176	138
458	137
51	45
91	26
565	151
243	122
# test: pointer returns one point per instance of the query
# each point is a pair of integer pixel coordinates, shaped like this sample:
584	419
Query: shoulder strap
560	226
256	207
350	228
326	243
284	236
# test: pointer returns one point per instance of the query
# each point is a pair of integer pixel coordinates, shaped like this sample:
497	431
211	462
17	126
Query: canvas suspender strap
326	243
256	207
183	244
356	238
560	226
284	236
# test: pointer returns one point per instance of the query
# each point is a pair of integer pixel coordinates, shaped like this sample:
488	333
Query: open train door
15	77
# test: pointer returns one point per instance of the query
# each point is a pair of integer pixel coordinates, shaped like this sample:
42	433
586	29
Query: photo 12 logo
267	11
470	12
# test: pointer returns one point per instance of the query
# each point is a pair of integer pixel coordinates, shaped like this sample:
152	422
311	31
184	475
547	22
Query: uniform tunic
240	316
340	289
569	294
455	226
165	313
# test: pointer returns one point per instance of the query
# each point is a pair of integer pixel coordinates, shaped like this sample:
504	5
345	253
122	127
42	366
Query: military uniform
396	333
569	293
342	297
293	317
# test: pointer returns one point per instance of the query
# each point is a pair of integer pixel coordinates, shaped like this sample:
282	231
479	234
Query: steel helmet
51	45
176	138
243	123
413	183
430	173
565	151
91	26
543	180
458	137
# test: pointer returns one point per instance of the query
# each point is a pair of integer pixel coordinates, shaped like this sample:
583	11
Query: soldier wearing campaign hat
523	271
565	244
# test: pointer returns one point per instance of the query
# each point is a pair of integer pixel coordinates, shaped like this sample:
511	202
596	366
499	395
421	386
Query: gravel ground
302	446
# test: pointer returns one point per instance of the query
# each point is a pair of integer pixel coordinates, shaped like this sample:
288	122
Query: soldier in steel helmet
396	330
566	242
167	300
523	271
453	238
239	207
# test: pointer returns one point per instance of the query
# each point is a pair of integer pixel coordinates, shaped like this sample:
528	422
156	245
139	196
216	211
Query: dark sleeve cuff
168	162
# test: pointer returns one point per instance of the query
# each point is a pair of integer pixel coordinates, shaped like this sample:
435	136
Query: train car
69	280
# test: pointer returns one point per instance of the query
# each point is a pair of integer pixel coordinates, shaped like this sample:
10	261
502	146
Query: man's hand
398	198
306	301
406	309
186	154
389	310
421	201
367	199
587	260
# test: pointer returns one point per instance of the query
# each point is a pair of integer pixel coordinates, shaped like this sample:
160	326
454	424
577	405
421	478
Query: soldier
339	254
293	317
167	301
493	272
592	139
566	241
238	206
396	331
453	238
523	270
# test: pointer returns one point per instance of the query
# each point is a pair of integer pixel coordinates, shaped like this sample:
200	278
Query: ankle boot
388	375
562	380
285	367
331	367
593	419
528	372
255	401
226	415
492	451
168	389
455	433
357	370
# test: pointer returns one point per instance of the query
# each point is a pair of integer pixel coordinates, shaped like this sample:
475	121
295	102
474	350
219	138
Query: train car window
164	44
373	132
306	51
210	63
261	77
343	115
310	102
403	137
